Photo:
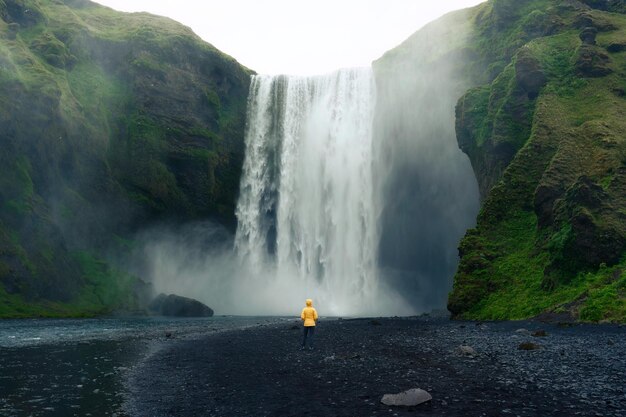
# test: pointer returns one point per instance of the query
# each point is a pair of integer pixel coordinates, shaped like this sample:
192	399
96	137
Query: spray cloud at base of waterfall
198	261
353	192
306	214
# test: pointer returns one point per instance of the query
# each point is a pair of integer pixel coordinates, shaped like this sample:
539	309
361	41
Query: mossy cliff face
545	131
109	122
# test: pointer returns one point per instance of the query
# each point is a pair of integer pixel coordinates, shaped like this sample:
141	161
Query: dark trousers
309	331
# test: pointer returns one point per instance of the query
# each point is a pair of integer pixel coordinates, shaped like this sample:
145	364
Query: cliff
544	128
539	89
109	123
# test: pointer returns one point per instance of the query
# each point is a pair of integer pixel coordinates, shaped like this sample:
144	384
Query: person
309	317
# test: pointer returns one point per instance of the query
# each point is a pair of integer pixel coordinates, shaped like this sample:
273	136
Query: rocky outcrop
529	74
615	6
176	306
592	61
493	122
619	46
588	35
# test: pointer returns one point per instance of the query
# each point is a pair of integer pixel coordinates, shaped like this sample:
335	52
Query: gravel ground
260	371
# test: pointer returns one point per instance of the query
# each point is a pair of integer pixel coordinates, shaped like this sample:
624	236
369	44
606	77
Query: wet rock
539	333
465	350
409	398
595	21
528	346
528	73
588	35
177	306
616	47
592	62
596	236
522	331
375	322
615	6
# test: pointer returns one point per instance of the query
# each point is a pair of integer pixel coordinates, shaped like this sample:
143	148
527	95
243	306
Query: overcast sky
299	37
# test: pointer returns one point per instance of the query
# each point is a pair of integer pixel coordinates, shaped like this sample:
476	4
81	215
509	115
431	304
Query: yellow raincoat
309	314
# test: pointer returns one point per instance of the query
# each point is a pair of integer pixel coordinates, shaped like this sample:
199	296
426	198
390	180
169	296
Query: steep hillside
545	130
109	122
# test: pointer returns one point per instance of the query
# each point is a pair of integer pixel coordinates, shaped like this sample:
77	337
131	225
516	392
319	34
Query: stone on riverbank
465	350
528	346
409	398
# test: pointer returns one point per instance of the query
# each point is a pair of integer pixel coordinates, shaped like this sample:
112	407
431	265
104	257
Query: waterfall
306	207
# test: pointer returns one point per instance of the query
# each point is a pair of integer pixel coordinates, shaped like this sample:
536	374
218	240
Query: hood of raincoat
309	302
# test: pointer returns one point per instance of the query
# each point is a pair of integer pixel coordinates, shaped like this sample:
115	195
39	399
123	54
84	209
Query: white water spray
306	213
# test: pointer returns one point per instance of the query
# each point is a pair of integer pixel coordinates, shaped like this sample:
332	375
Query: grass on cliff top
157	32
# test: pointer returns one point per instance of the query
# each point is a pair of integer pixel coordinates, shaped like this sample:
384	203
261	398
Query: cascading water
306	207
361	210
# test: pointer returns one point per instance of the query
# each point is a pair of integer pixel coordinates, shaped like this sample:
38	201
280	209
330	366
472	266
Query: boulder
601	23
615	6
176	306
465	350
592	62
409	398
528	346
616	47
529	74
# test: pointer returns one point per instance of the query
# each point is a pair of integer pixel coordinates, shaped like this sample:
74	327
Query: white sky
296	36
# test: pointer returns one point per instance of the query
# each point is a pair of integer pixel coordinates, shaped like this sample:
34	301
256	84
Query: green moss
606	300
4	270
517	276
102	96
19	185
105	288
148	65
52	50
203	155
502	27
476	107
213	99
605	182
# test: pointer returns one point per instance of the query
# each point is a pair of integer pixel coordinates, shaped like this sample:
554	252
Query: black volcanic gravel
260	371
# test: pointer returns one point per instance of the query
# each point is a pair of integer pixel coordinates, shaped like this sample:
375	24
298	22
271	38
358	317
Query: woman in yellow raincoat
309	317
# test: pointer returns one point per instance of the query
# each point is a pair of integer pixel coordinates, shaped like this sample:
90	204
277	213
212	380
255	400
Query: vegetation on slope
545	133
109	122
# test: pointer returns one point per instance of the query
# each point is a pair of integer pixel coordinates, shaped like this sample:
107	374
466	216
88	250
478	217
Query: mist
354	192
426	192
198	261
